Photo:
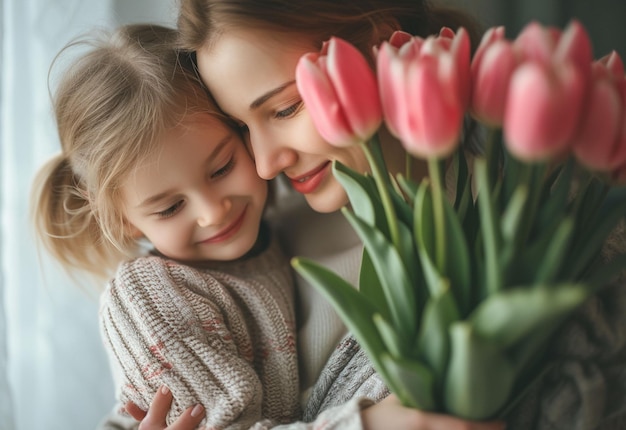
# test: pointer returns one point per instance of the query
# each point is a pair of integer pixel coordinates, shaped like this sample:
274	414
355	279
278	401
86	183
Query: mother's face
251	74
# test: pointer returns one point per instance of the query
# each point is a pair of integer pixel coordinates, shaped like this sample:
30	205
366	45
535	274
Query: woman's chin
331	199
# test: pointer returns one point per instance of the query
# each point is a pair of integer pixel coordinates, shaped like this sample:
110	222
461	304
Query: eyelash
224	170
173	210
286	113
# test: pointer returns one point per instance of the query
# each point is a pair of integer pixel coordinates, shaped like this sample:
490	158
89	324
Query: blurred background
53	372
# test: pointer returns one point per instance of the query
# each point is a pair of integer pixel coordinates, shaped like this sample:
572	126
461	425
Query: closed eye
291	110
172	210
224	170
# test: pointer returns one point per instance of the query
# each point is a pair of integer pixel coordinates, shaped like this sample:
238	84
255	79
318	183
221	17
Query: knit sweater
222	335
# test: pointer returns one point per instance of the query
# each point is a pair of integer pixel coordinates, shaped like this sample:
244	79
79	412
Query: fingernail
164	390
197	410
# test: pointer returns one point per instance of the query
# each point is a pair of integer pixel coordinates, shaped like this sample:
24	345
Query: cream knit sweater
221	335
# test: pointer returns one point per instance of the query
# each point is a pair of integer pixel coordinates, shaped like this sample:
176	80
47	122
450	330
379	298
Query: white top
331	241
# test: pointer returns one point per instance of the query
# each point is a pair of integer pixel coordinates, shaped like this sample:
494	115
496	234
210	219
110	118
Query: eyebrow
268	95
155	198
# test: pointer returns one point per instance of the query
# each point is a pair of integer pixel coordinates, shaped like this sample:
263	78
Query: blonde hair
111	106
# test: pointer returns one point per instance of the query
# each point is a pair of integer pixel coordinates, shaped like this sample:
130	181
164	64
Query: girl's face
251	73
199	197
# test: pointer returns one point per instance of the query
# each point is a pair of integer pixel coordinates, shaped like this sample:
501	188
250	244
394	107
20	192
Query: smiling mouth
229	231
308	182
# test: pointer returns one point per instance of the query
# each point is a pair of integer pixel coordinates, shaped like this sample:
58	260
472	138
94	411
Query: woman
246	54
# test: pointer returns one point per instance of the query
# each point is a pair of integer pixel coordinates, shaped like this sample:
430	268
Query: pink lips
229	231
308	182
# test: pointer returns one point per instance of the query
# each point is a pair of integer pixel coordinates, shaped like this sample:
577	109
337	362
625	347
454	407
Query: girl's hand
154	419
390	414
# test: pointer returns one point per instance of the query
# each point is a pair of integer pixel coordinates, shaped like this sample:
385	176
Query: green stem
407	166
436	176
381	177
532	176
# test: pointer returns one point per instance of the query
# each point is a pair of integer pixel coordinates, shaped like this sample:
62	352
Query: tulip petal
600	127
355	86
321	101
536	126
490	83
575	45
437	114
460	49
399	38
535	43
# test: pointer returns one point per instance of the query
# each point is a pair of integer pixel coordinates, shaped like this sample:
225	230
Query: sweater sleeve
159	330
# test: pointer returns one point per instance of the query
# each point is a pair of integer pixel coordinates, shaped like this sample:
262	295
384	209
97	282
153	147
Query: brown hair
111	106
364	23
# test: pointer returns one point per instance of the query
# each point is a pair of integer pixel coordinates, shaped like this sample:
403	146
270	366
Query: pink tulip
600	143
497	59
491	75
340	92
542	110
534	86
423	87
399	38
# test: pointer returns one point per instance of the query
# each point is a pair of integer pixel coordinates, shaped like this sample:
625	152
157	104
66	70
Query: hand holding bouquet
458	298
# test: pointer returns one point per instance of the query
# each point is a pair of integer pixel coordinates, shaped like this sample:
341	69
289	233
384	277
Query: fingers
160	406
190	419
135	411
155	418
390	414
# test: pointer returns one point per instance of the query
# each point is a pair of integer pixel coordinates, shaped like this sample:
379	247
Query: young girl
207	311
585	389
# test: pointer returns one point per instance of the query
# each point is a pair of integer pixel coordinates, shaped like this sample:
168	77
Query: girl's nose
270	156
213	211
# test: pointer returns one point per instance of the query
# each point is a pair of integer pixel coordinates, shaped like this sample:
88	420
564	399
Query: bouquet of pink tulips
458	297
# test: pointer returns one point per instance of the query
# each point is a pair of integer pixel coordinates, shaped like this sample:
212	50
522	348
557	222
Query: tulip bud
424	86
491	75
600	143
340	93
542	110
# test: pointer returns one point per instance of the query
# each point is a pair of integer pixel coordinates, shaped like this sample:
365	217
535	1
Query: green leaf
433	341
424	238
370	286
555	253
458	269
403	210
355	310
489	228
395	345
513	215
480	376
361	192
392	273
463	182
508	316
408	187
413	382
554	208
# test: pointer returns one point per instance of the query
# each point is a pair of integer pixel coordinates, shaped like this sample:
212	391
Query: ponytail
65	222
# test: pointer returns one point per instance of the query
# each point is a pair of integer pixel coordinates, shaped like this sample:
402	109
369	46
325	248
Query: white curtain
53	370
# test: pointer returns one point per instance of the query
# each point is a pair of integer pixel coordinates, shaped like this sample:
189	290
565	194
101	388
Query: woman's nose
213	211
270	156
